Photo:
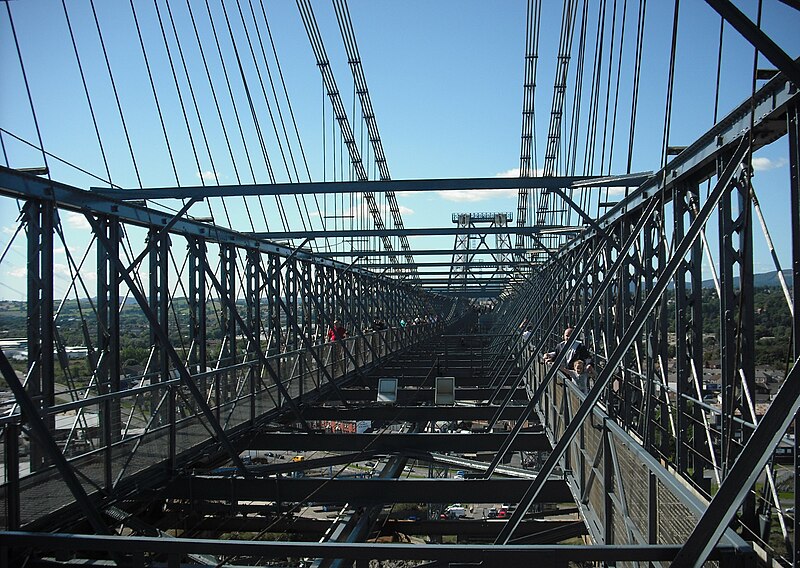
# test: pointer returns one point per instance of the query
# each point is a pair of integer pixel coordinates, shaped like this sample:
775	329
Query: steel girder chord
722	186
171	352
250	337
565	306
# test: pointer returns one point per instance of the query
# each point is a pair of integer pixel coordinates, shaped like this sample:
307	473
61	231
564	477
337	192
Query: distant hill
764	280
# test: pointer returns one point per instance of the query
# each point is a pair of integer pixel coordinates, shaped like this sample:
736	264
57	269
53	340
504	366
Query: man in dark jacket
575	350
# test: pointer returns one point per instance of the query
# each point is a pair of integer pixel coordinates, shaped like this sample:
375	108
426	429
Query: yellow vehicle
298	458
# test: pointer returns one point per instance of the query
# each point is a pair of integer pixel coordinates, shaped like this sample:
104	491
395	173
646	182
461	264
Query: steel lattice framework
270	364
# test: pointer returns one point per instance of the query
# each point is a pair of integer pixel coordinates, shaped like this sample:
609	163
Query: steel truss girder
49	448
531	532
186	378
31	188
425	252
681	249
565	306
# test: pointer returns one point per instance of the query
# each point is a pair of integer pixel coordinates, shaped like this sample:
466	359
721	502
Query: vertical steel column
290	304
253	287
108	340
304	291
736	321
655	344
608	489
198	328
159	303
793	120
690	443
276	331
228	356
38	218
618	317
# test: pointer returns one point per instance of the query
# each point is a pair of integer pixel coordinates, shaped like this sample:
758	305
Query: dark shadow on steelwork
722	186
38	429
222	438
577	328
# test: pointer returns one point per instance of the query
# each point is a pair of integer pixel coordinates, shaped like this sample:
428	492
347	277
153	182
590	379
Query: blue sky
445	80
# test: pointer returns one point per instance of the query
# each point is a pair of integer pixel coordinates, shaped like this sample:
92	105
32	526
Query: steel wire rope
235	108
193	96
86	91
307	216
219	115
256	122
368	116
153	89
340	113
178	284
594	97
57	158
291	112
616	95
637	68
116	94
27	88
577	98
670	87
609	75
267	103
545	213
617	86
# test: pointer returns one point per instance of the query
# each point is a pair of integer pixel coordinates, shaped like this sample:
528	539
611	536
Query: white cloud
20	272
763	164
473	195
207	175
59	250
60	269
405	210
77	221
514	172
9	230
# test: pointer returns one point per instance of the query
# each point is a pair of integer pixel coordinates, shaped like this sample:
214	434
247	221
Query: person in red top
337	332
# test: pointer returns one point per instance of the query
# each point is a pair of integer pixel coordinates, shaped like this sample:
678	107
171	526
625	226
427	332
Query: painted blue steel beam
376	186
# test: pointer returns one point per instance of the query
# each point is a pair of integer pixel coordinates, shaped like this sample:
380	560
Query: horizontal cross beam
409	413
376	186
387	443
362	491
412	395
430	252
417	232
